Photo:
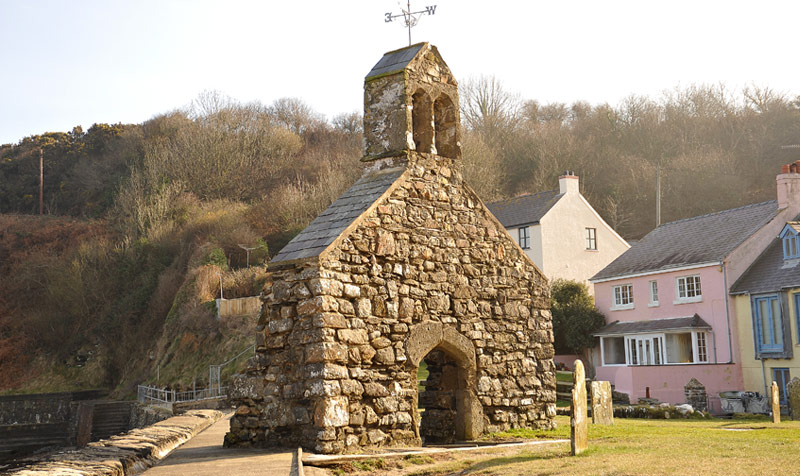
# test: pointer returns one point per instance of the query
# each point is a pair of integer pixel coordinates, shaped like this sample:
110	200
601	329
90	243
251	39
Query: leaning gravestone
776	404
794	398
579	439
602	411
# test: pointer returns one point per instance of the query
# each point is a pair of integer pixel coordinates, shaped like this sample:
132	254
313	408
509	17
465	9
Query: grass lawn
633	447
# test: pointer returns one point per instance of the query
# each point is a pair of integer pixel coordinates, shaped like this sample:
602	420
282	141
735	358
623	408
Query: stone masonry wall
333	373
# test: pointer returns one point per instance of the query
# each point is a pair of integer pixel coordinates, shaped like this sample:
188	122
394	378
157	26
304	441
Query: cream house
560	231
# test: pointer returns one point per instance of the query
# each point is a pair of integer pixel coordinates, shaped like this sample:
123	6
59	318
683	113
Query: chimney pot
785	169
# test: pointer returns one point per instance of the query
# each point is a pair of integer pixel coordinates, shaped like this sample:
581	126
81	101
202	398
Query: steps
110	418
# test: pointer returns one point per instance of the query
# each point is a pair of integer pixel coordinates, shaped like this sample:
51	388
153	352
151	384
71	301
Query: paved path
204	455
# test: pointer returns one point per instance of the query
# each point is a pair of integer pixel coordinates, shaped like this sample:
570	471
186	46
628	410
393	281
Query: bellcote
411	104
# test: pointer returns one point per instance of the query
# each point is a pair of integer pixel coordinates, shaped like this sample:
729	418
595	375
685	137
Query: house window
688	289
781	377
767	323
645	350
655	349
654	293
791	246
591	238
525	237
702	347
613	350
623	296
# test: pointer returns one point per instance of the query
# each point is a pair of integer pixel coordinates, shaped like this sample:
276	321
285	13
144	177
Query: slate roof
769	272
395	61
703	239
338	216
524	209
653	325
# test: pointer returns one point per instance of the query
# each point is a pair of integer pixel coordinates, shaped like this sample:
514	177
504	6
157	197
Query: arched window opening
422	121
444	115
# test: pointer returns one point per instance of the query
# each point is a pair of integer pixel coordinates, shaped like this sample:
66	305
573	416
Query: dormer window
791	240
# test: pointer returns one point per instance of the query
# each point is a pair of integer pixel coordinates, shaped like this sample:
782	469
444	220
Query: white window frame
591	239
652	349
618	299
688	282
603	351
524	237
653	288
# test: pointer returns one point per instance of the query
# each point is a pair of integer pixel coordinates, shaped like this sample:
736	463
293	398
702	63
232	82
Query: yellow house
767	300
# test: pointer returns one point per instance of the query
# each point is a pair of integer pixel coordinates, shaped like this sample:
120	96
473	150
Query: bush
575	318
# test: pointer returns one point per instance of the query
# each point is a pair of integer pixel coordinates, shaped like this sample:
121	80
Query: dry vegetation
160	209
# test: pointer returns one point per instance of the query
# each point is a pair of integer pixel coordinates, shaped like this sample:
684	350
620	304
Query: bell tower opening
446	127
422	121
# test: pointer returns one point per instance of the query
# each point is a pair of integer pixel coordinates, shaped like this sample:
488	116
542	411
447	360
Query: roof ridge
524	195
682	220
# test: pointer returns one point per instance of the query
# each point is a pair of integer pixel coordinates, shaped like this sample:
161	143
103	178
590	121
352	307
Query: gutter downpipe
727	312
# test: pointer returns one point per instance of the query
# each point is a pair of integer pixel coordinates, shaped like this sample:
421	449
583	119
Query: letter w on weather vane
410	18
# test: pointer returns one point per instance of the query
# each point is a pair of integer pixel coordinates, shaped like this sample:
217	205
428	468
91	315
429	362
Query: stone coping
127	454
326	460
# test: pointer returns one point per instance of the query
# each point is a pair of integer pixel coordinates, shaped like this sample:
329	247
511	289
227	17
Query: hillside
115	284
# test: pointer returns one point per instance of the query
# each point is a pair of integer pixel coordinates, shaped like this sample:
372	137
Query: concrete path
204	455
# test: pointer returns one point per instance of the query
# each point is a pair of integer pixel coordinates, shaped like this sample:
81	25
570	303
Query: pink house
667	304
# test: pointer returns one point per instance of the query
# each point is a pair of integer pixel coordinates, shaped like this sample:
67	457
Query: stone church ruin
407	266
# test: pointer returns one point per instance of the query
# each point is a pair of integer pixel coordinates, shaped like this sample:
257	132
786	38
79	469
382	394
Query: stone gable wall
334	371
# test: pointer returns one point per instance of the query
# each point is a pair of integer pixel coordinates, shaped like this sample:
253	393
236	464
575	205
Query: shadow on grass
506	460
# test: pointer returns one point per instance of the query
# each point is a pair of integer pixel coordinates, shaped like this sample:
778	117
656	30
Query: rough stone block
602	410
579	438
794	397
332	412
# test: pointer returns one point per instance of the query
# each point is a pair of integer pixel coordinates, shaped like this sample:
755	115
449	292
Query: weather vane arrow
410	18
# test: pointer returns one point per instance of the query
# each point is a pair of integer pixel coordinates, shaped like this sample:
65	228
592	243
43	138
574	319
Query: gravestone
602	411
696	395
776	404
794	398
579	438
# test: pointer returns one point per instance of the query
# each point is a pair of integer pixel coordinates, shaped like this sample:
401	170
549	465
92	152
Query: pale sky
66	63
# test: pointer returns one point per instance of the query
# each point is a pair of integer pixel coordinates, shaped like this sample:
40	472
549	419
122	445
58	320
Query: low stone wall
41	407
126	454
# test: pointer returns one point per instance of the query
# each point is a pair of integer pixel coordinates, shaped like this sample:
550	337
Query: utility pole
658	194
41	181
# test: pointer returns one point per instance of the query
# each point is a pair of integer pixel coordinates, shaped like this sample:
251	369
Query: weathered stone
775	402
602	409
363	308
385	356
579	437
326	352
373	389
352	291
332	412
793	389
385	244
353	336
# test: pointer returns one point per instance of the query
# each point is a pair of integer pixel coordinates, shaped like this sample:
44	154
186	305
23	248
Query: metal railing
154	395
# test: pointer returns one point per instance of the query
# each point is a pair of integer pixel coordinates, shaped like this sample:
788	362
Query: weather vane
410	18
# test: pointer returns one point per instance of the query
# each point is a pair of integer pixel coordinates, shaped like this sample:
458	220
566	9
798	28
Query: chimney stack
568	183
789	185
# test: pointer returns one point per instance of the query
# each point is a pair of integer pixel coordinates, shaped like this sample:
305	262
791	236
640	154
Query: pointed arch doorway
452	410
